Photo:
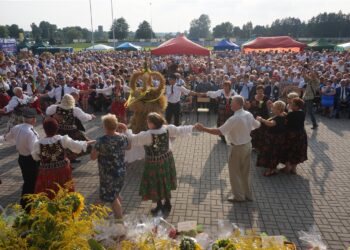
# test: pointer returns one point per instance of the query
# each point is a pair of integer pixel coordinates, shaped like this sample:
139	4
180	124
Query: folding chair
203	106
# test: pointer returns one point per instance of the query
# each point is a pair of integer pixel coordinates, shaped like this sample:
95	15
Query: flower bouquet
59	223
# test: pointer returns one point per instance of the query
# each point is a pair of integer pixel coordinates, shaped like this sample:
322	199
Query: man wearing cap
24	137
173	93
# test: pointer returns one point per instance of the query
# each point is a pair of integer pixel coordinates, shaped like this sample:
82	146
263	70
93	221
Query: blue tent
226	45
128	46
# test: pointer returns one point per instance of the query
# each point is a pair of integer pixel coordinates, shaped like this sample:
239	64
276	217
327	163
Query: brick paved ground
318	195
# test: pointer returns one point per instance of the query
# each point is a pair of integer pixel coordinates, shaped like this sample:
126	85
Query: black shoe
75	161
167	206
314	126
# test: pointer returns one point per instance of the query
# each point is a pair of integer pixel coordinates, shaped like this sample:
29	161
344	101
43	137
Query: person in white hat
65	113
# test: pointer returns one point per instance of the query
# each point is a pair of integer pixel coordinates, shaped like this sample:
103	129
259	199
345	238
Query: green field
78	46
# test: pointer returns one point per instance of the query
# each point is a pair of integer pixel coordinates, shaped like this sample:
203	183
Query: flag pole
112	24
92	27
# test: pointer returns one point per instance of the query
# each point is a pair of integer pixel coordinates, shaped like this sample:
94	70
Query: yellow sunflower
81	205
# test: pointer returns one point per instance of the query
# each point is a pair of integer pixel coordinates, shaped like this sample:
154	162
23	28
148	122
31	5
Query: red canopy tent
279	43
180	46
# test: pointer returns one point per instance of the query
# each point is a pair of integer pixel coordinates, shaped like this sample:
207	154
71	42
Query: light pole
112	24
150	7
92	27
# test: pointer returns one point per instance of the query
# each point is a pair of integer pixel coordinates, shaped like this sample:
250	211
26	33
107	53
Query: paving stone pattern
284	204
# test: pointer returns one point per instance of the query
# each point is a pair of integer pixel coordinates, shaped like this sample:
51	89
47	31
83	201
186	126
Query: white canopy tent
100	47
343	47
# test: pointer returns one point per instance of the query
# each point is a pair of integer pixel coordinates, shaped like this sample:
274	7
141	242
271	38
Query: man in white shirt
24	137
179	80
173	93
246	88
61	90
237	131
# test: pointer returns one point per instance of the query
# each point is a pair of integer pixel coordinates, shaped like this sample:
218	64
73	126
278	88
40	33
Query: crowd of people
263	96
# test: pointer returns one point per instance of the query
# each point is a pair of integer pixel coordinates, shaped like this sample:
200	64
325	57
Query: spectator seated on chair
327	99
342	98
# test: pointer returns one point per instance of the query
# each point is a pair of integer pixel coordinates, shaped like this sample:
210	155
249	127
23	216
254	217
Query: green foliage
187	244
4	32
144	31
223	30
121	29
200	28
14	31
323	25
60	223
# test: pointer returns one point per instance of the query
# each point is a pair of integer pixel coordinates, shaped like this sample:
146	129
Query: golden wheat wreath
148	93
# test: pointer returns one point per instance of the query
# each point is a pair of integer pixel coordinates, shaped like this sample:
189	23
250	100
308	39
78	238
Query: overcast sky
166	15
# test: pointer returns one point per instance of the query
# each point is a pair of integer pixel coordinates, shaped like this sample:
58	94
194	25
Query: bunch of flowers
250	240
59	223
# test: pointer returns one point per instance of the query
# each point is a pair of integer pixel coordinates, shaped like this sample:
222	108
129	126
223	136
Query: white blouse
13	103
108	90
144	138
4	85
66	141
215	94
77	112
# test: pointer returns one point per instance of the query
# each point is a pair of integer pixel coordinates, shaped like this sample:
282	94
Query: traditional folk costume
118	104
17	105
271	153
159	176
30	90
224	108
66	123
295	148
4	97
259	108
54	164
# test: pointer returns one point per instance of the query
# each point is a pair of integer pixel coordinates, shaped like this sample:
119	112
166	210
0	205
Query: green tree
71	33
4	32
144	31
247	30
200	28
286	27
168	36
260	30
223	30
237	32
14	31
47	30
36	32
329	25
121	29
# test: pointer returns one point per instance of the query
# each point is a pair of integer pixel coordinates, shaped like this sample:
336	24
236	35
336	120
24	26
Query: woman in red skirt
118	104
51	152
4	97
